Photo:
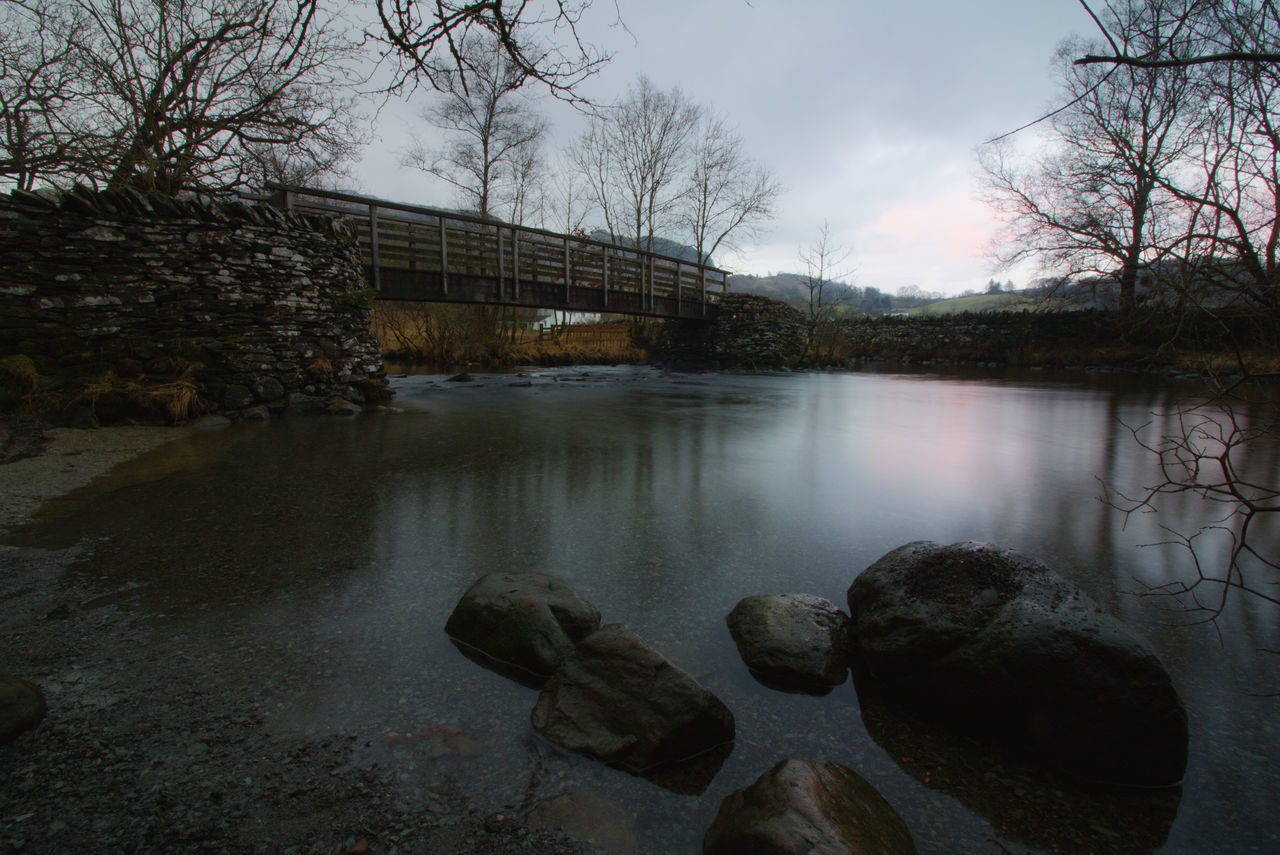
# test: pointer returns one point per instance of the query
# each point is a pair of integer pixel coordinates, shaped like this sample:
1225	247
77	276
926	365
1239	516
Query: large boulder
618	700
792	641
818	808
22	706
522	624
995	637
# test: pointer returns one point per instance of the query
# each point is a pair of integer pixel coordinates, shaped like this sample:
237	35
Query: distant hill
793	288
781	286
660	245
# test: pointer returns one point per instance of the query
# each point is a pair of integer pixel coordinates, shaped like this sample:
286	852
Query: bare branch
495	135
727	196
430	45
196	94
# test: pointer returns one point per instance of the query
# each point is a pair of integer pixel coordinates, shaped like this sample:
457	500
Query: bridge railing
397	238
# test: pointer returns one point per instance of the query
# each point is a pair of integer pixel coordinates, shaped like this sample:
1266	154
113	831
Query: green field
979	303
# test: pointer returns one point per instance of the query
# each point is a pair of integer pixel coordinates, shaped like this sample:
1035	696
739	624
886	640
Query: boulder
997	638
618	700
818	808
267	389
792	641
523	624
22	706
343	407
302	404
236	397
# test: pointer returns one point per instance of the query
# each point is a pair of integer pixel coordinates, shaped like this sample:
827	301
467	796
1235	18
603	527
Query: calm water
333	551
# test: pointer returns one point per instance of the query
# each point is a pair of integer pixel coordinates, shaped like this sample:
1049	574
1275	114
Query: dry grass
18	375
580	345
449	336
320	367
178	399
21	386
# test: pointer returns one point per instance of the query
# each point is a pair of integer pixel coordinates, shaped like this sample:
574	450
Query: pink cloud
951	227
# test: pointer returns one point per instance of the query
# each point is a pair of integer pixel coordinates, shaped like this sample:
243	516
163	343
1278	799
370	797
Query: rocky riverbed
159	742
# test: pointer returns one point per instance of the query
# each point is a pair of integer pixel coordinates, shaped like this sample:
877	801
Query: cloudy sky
869	113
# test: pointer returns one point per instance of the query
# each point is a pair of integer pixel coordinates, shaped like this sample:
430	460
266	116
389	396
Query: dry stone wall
250	305
749	331
1055	339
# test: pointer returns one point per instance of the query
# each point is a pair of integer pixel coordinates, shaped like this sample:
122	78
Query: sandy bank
71	459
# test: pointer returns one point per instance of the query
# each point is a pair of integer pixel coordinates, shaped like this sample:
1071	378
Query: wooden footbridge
432	255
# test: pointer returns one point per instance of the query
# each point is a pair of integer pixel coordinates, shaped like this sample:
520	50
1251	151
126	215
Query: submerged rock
792	641
22	706
618	700
522	623
997	638
587	816
797	806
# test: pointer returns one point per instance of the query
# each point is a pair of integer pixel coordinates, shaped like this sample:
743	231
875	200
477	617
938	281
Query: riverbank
152	742
37	465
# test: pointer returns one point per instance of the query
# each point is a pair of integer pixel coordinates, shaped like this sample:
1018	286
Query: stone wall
245	305
749	331
752	332
1152	340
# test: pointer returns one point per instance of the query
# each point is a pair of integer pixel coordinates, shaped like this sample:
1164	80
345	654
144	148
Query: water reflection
319	560
1024	803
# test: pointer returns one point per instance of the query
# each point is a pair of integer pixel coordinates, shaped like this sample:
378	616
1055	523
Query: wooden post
515	260
679	284
502	267
374	257
568	271
650	286
604	267
444	256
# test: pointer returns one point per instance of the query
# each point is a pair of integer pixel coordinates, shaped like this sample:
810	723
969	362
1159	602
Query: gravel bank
152	743
38	465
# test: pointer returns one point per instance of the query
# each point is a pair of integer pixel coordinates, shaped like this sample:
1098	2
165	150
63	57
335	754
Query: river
664	499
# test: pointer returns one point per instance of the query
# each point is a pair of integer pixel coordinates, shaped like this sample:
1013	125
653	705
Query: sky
868	113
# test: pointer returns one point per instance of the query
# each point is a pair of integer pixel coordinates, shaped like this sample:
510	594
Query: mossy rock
22	706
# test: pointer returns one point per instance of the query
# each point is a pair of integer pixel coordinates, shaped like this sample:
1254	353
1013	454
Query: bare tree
591	156
191	94
566	199
825	281
1232	186
38	131
727	196
1226	184
494	133
1095	203
633	157
523	194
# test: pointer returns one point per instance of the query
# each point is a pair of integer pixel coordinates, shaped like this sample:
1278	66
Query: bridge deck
430	255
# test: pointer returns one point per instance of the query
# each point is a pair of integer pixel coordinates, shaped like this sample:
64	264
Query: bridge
432	255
